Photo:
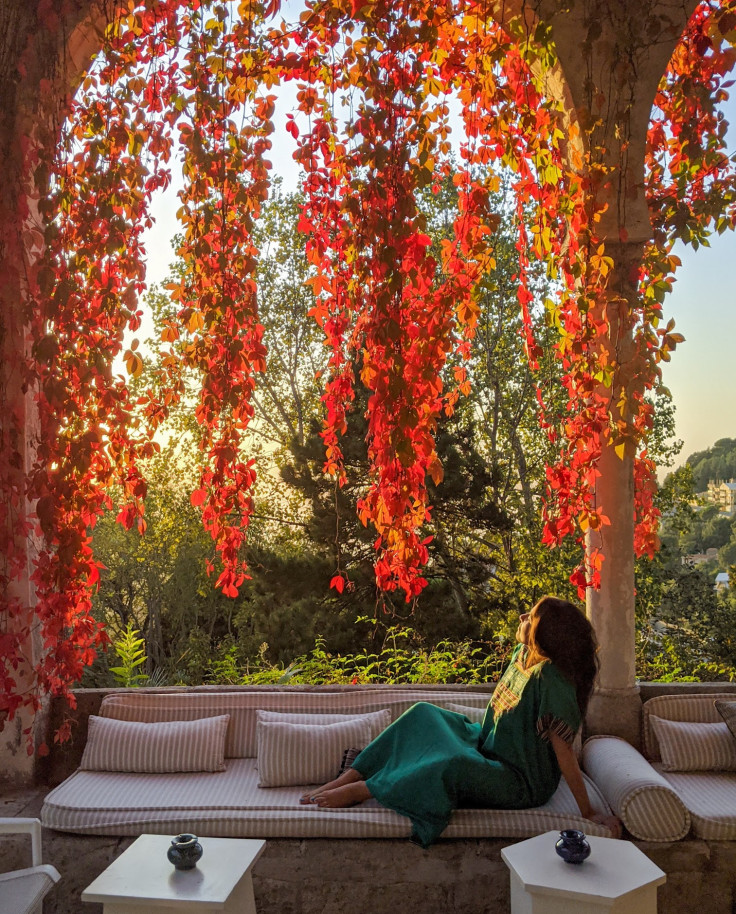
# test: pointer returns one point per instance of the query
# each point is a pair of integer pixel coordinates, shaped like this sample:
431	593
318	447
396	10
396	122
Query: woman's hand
611	822
571	772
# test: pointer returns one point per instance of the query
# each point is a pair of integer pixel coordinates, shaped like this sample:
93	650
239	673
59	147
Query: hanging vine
373	82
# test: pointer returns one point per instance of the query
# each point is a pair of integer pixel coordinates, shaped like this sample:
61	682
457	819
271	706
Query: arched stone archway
611	60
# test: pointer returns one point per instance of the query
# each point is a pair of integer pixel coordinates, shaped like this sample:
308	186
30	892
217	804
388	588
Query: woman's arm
574	778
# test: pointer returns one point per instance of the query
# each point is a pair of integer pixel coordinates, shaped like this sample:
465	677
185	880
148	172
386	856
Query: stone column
615	707
613	57
34	84
15	763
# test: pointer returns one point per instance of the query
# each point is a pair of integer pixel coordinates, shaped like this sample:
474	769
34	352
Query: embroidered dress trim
504	699
548	724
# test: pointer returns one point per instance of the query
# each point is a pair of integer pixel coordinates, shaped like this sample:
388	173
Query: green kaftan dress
431	761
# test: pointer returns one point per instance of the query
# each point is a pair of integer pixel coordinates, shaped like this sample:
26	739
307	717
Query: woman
431	761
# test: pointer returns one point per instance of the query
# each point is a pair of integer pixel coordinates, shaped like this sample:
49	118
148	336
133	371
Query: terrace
317	874
46	52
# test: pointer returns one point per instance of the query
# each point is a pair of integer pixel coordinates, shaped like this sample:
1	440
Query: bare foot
347	777
340	797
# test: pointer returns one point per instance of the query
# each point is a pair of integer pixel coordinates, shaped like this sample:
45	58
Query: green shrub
130	648
402	658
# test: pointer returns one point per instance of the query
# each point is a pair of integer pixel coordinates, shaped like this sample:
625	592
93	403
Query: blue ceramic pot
184	852
572	846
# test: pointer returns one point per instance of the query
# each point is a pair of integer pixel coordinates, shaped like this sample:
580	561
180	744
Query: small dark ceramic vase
184	852
572	846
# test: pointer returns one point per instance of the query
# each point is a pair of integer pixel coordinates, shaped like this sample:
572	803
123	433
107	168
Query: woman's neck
532	657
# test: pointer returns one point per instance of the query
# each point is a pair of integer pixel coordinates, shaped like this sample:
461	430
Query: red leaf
94	576
198	497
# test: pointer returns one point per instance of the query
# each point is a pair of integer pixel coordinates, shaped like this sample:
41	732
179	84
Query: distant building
722	580
723	494
698	558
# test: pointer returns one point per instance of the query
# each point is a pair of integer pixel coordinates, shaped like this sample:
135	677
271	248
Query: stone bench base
318	876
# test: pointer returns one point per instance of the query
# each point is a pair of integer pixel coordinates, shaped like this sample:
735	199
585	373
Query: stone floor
318	876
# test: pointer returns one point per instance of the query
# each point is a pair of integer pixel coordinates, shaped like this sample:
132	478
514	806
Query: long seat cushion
710	796
230	804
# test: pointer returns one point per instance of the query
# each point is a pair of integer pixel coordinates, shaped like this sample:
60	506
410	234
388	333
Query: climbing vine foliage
374	81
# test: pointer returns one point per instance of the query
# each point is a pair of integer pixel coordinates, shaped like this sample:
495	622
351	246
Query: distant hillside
718	462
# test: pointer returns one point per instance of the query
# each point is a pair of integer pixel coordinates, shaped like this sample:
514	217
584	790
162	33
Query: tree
683	624
205	71
289	393
717	463
486	562
158	581
680	615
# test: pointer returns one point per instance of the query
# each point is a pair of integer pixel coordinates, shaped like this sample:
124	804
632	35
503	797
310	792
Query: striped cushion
176	745
376	720
694	746
230	804
303	753
692	708
711	799
474	715
727	710
645	802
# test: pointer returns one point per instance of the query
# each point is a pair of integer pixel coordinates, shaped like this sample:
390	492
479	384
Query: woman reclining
431	761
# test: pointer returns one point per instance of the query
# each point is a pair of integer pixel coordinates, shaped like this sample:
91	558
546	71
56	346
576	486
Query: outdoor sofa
684	781
170	762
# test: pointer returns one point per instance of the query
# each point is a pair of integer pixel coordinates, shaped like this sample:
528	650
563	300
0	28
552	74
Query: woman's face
525	624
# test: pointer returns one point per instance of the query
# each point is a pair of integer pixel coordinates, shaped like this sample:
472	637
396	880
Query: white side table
142	879
616	879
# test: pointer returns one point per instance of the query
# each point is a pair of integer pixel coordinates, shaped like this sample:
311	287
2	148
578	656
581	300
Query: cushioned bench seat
663	795
708	795
710	798
114	799
230	804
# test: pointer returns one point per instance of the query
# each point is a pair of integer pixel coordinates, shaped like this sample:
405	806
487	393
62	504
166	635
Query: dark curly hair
560	632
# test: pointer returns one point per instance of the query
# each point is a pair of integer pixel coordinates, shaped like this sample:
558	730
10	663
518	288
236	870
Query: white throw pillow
686	746
474	715
377	720
290	754
166	746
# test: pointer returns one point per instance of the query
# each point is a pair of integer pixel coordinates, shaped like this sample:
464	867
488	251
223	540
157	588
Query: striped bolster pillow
166	746
291	754
640	796
688	746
